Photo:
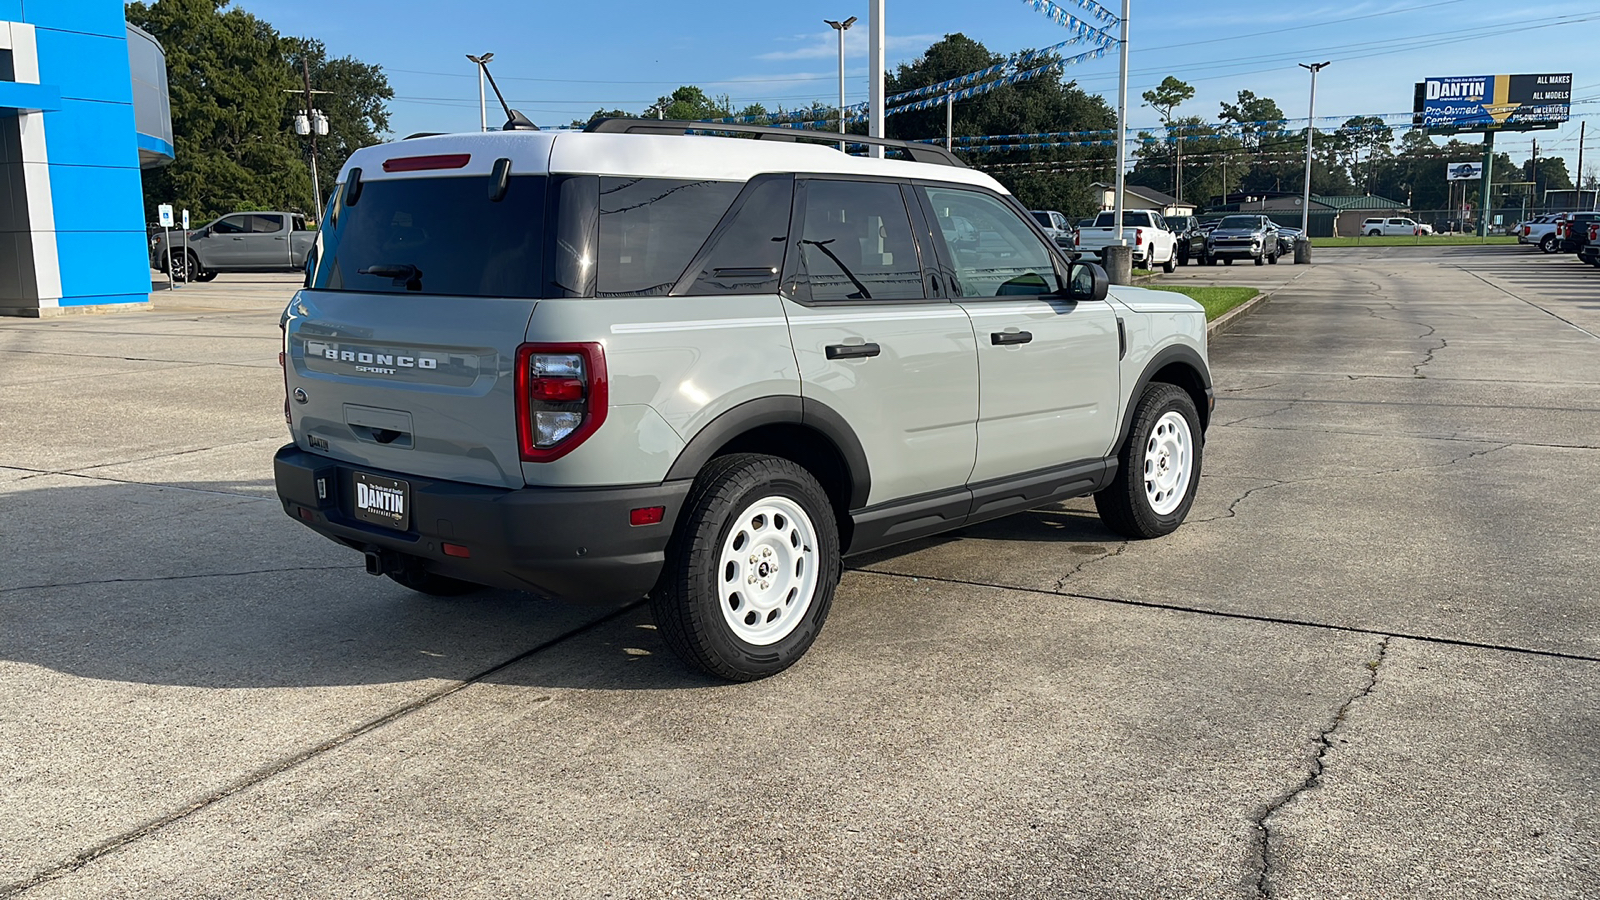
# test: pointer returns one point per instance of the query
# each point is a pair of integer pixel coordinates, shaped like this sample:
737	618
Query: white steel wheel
768	570
1168	463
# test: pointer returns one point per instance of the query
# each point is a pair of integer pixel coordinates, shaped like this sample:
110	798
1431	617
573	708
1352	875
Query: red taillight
561	397
419	163
649	515
1138	238
457	551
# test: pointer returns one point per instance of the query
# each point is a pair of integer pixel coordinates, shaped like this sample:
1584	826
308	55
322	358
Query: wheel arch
806	432
1179	365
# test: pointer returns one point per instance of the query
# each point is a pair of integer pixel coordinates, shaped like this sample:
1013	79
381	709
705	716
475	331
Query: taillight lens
1138	238
561	397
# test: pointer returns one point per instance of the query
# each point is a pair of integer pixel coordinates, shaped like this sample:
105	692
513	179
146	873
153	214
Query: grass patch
1216	300
1140	273
1400	240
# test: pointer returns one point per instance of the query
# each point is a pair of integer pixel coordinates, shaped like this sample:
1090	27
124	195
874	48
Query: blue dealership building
83	109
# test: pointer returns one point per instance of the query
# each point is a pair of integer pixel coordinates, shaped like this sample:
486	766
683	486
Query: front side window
232	225
435	236
995	253
651	229
857	244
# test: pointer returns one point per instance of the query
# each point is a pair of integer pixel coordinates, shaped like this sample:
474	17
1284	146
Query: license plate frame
381	501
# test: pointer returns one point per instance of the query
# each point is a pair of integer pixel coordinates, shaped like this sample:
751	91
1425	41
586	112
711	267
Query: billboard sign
1493	102
1466	171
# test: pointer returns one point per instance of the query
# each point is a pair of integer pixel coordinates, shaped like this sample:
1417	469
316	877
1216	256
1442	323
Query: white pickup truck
1539	231
1144	230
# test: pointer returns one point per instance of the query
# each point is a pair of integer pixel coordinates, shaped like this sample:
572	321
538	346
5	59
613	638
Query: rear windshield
1108	219
435	236
1239	222
1043	219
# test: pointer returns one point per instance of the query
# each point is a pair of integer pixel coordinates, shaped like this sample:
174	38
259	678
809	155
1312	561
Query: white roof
641	156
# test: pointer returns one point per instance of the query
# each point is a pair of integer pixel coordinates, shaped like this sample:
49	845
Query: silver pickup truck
237	242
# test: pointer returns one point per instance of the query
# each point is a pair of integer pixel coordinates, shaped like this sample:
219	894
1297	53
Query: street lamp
841	27
1311	130
483	105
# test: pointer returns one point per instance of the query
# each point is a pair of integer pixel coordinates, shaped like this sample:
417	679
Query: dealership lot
1369	665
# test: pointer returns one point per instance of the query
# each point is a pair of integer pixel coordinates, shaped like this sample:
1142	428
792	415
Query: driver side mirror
1087	281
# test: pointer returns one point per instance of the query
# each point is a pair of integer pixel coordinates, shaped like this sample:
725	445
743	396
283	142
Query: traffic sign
186	220
165	211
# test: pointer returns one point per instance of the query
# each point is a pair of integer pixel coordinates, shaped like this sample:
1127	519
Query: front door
223	246
1048	366
876	344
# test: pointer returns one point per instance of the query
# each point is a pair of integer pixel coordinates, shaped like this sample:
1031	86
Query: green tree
356	103
227	80
1165	98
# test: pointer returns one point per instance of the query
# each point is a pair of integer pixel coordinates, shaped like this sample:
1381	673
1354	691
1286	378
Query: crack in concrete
1061	582
1313	776
1427	359
154	578
1288	405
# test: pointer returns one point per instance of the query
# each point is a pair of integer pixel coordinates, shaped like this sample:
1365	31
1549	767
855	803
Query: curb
1227	319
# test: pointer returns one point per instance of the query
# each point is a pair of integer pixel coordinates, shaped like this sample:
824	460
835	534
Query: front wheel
751	570
1261	260
1548	243
1273	259
183	266
1158	467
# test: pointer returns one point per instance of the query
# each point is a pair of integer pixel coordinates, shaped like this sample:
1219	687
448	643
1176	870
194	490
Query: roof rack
922	153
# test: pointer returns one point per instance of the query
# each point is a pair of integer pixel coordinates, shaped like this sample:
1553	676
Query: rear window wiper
403	275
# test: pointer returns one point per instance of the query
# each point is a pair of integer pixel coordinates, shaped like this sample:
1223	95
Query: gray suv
634	361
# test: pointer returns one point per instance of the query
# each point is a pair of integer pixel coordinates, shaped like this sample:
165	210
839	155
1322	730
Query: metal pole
1178	179
1579	177
483	103
841	86
1122	127
1533	165
1311	131
949	119
1484	184
166	241
875	73
316	187
186	254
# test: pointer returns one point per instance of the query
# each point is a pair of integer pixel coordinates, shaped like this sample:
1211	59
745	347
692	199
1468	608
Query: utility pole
1533	164
950	120
1177	187
875	95
841	27
1311	132
1484	183
311	122
1578	178
1122	127
483	104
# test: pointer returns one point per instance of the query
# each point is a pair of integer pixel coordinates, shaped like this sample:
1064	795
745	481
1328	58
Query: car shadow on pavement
1050	525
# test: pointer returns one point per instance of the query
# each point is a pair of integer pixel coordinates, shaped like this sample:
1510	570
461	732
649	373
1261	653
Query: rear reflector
305	514
457	550
649	515
418	163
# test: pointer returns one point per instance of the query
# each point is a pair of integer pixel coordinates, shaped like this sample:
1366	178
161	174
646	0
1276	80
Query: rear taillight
1138	238
561	397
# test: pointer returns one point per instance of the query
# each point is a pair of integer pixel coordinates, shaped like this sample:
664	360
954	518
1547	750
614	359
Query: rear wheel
1548	243
1158	467
1171	263
751	571
1374	233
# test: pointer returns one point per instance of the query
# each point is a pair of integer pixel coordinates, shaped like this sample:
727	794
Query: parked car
1144	230
1243	237
1394	226
1539	231
1287	237
633	361
1591	250
1057	226
1191	240
1573	231
237	242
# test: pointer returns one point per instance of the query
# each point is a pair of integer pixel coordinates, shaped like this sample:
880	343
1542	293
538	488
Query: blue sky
558	61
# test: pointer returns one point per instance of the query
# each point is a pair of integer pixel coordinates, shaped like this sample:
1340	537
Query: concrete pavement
1366	667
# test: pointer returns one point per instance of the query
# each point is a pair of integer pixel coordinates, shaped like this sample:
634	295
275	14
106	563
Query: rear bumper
573	543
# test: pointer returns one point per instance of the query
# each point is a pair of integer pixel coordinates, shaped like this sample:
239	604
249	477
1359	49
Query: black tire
1273	259
183	267
1124	506
1183	259
687	600
1171	263
1227	260
1548	243
1374	233
424	582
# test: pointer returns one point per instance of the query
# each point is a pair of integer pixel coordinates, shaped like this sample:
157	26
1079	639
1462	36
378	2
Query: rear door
1048	366
403	348
877	342
267	243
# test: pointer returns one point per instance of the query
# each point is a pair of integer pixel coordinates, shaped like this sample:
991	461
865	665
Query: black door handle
999	338
852	351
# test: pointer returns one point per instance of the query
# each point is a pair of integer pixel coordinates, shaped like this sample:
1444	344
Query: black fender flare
1176	353
753	414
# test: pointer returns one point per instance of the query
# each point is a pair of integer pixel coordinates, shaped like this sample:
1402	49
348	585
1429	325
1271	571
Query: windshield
435	236
1245	222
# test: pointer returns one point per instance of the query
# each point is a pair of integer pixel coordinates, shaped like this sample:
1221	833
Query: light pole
1311	130
483	105
1122	128
841	27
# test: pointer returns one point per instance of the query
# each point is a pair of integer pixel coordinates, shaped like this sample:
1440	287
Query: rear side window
436	236
857	243
266	224
651	229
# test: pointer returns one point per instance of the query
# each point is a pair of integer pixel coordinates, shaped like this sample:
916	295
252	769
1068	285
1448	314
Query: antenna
515	121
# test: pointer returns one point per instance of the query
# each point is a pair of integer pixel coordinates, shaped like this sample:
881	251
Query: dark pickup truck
1573	232
237	242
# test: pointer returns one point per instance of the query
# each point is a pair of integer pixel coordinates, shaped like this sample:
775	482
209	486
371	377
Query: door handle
280	238
852	351
1000	338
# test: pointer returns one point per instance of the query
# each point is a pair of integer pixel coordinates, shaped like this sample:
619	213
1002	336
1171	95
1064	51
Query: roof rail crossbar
917	152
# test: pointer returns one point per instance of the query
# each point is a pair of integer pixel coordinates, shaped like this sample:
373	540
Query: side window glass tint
651	229
266	224
995	253
748	255
231	225
857	243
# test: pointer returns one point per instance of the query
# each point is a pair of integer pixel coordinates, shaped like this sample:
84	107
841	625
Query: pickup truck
1540	231
1572	232
237	242
1190	237
1392	227
1591	251
1144	230
1243	237
1057	226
